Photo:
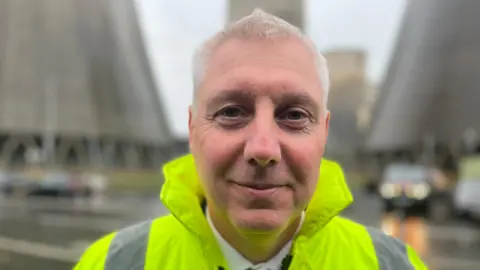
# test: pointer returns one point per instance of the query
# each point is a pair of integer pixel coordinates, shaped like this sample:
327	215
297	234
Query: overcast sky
174	29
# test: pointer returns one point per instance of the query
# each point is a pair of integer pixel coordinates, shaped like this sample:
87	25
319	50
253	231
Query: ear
327	125
191	126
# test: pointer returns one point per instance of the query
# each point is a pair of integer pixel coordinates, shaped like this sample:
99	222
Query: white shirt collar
237	262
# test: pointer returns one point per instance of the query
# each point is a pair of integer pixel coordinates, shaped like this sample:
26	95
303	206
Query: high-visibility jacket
183	240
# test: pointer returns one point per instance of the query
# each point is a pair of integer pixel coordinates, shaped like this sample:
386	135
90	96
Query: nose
262	147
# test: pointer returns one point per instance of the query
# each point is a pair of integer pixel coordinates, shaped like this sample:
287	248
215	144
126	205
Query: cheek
214	152
307	151
305	155
216	149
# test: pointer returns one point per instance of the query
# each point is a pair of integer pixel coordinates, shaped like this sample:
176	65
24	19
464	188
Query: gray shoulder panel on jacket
391	252
128	248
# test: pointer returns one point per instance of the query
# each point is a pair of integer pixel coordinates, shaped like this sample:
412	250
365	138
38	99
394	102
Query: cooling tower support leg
72	152
109	152
15	149
95	154
131	156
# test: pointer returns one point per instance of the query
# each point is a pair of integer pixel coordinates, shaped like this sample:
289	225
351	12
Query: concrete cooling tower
431	92
76	86
290	11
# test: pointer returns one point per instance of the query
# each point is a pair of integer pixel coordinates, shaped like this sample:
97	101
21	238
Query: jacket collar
183	195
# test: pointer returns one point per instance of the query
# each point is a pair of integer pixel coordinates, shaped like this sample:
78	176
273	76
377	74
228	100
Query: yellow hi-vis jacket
183	240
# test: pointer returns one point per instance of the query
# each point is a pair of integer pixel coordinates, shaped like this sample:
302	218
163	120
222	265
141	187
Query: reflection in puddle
412	231
442	247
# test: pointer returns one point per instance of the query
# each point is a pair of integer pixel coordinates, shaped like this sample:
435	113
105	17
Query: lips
259	186
259	191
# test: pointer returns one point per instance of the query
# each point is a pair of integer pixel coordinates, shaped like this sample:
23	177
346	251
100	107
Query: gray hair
260	25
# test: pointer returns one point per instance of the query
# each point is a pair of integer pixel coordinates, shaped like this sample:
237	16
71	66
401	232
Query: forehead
273	67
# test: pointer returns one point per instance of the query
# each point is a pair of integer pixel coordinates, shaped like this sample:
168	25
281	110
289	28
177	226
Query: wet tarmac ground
51	234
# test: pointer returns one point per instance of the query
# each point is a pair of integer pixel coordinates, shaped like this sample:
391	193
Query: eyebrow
247	93
296	99
231	95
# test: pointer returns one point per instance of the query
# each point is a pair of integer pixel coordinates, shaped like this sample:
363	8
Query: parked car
12	182
60	184
410	188
466	198
6	183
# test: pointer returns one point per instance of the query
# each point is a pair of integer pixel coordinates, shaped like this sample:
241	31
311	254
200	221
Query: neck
255	247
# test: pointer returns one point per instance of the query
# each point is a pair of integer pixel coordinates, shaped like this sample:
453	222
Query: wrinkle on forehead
284	53
274	83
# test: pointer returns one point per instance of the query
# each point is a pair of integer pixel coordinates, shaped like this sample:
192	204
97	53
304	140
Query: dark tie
286	262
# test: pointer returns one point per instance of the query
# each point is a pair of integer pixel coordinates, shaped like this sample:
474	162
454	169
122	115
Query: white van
466	196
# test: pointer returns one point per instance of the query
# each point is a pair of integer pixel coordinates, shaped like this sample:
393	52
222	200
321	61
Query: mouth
258	191
259	186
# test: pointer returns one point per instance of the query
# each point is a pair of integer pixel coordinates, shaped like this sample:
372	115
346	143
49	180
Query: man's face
258	132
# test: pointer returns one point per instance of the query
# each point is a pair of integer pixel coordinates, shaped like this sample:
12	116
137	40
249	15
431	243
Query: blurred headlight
420	191
389	190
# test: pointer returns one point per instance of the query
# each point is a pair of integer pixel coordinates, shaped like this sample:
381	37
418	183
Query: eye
230	112
294	114
294	118
231	117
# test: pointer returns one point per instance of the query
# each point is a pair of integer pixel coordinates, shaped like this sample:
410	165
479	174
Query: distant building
76	87
350	99
290	11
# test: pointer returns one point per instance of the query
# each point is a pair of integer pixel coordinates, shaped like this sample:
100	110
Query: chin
259	220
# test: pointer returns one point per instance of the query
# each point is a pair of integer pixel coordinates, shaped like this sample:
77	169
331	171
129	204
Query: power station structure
76	87
348	100
429	101
290	11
